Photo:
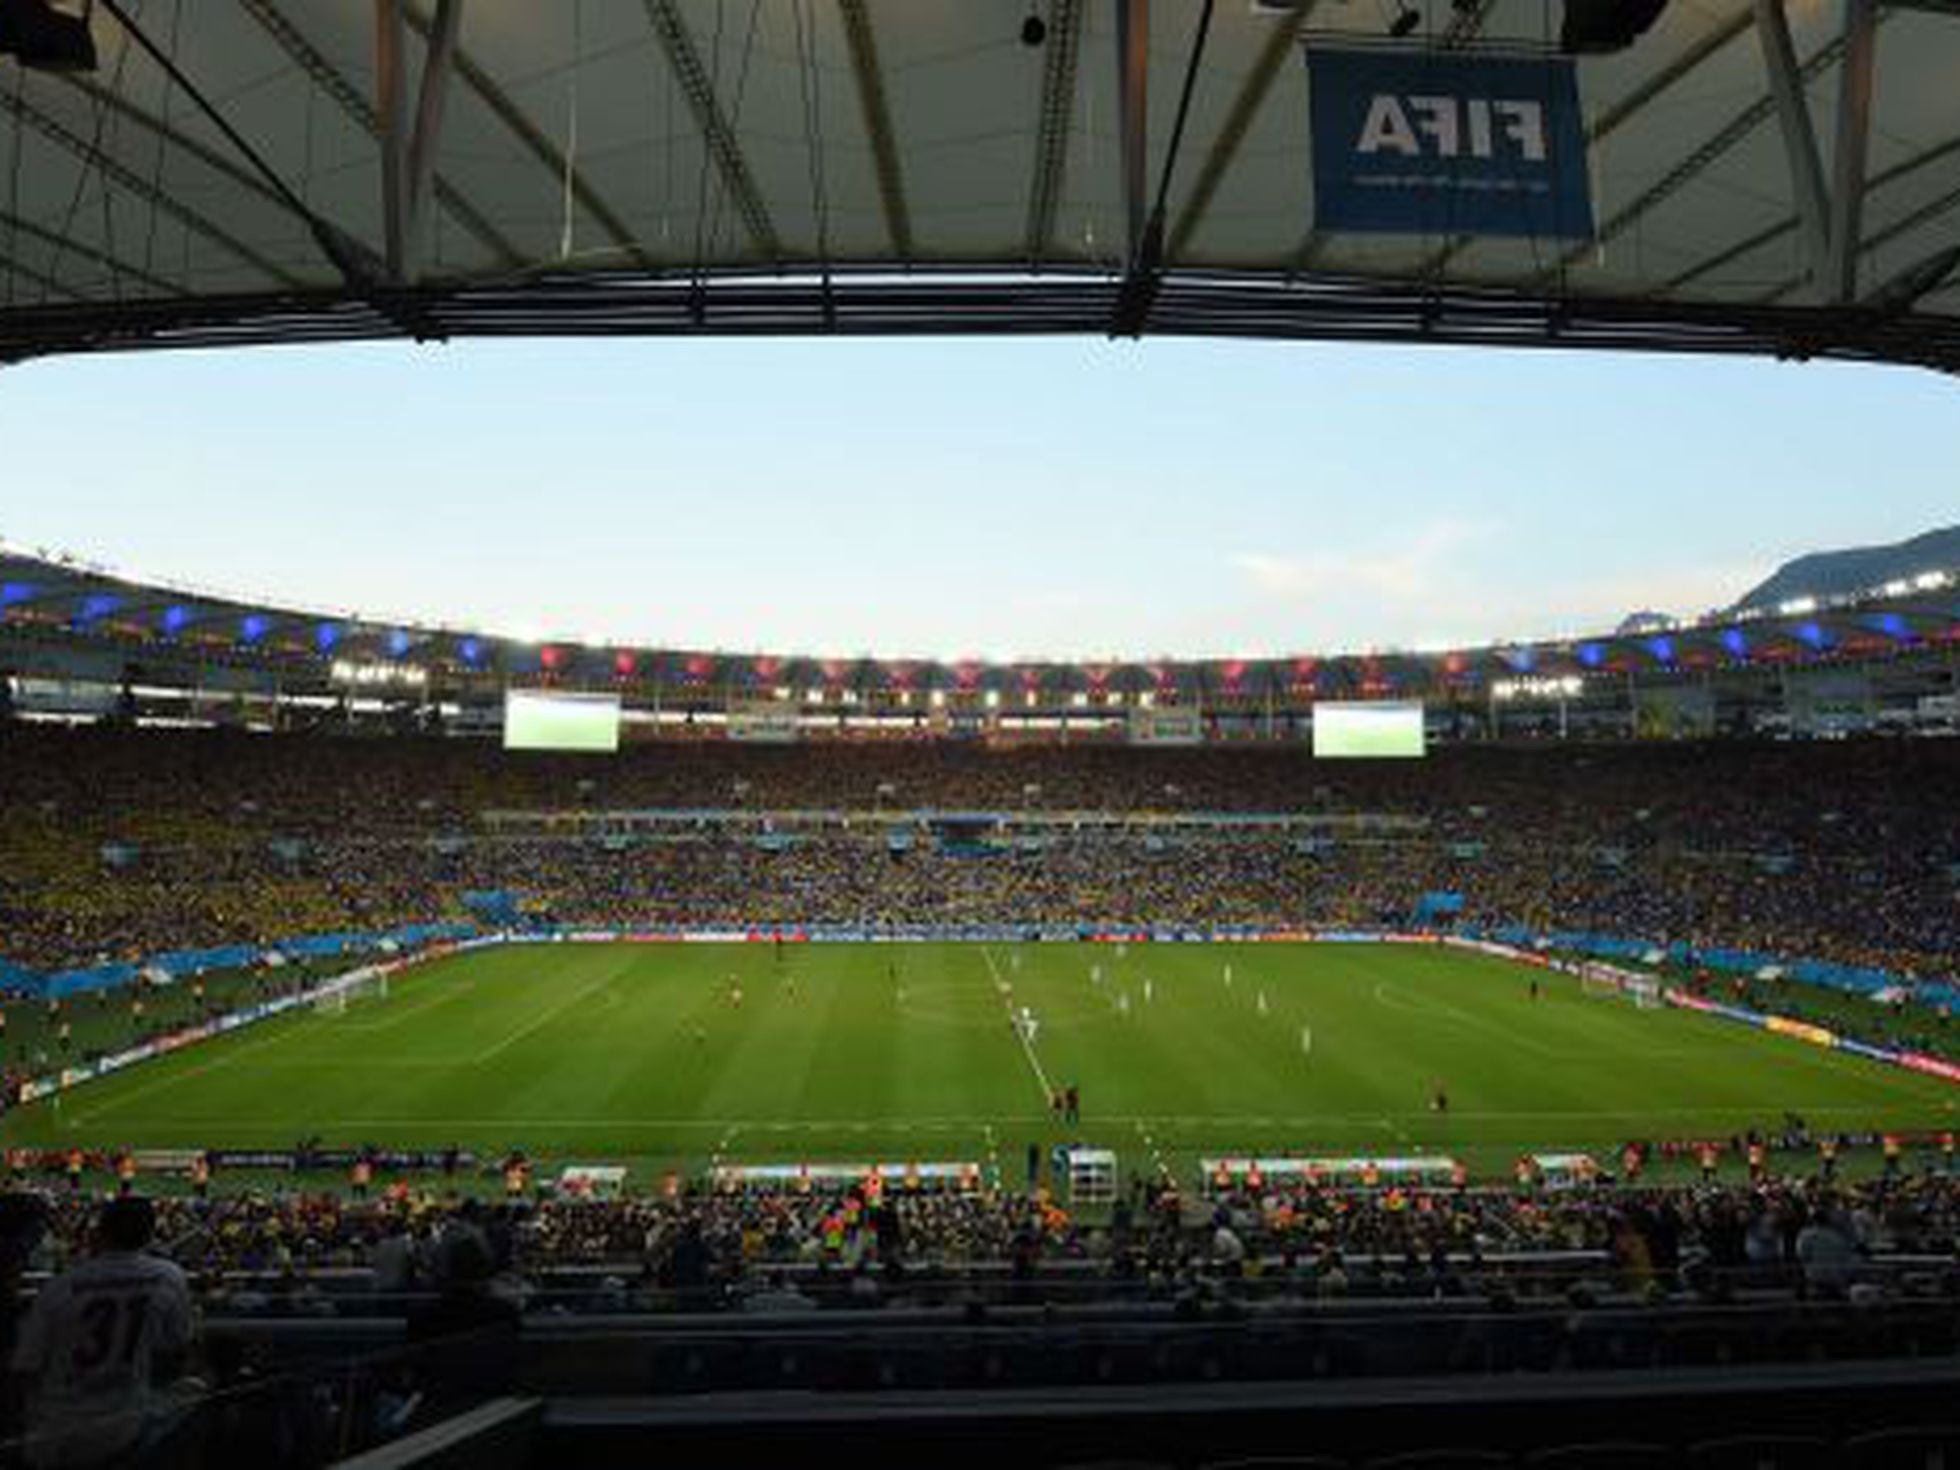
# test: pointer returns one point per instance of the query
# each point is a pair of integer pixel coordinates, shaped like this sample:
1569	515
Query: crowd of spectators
299	1252
117	844
466	1278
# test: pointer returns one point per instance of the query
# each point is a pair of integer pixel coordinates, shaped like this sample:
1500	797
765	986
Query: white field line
393	1013
1040	1077
1373	1122
171	1079
1389	996
552	1013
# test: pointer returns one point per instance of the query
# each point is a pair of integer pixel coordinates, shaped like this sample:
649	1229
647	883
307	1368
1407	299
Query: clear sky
1065	498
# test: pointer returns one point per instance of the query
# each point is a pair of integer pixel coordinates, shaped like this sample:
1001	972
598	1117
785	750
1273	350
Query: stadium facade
80	642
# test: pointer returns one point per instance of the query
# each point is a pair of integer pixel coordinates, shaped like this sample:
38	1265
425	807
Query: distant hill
1836	573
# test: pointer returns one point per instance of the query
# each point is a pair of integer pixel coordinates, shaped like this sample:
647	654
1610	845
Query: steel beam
1905	168
847	301
1732	133
13	270
64	244
127	111
349	257
434	93
527	132
717	133
310	60
1925	214
391	108
1238	122
408	157
142	188
1840	278
1917	281
1626	109
1133	120
1786	85
1058	76
876	107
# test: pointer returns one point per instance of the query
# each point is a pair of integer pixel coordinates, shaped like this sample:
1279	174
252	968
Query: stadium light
42	38
1797	606
353	674
1564	686
1601	27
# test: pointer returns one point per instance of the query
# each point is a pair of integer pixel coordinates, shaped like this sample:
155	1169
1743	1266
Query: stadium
503	1049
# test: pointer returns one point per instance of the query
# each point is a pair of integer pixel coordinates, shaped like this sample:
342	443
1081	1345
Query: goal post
1609	982
357	985
1598	984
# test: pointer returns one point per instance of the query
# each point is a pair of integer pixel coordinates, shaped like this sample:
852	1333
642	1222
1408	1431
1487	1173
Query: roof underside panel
705	165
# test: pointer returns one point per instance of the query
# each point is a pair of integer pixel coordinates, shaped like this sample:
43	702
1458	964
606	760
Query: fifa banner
1443	143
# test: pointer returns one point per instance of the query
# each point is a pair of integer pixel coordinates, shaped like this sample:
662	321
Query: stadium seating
123	844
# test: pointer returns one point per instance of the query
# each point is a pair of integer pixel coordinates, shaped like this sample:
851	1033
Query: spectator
103	1347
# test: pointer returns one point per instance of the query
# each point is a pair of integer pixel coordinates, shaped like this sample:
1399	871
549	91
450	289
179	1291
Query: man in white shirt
101	1344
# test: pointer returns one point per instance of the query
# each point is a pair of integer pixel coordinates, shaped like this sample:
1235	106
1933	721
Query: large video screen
1376	730
539	721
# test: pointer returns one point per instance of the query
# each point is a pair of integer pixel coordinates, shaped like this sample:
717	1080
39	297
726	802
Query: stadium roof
243	171
62	605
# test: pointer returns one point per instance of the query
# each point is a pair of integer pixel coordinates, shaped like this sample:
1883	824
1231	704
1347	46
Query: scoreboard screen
1374	730
538	721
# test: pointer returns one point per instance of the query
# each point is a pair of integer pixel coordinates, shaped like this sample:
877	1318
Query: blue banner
1444	143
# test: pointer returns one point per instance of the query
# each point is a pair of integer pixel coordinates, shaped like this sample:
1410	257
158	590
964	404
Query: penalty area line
1027	1046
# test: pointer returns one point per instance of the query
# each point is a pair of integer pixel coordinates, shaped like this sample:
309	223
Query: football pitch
676	1056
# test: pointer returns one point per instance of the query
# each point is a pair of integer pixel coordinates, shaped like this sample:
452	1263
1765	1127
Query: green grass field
845	1053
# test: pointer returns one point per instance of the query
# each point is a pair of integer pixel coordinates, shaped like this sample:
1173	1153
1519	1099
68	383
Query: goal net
360	985
1605	982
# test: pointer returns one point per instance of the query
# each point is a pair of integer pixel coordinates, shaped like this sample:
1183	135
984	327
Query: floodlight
41	37
1599	27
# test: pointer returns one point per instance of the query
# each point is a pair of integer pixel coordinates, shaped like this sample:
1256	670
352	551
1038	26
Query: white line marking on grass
1443	1011
171	1079
746	1125
565	1003
394	1014
1040	1077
